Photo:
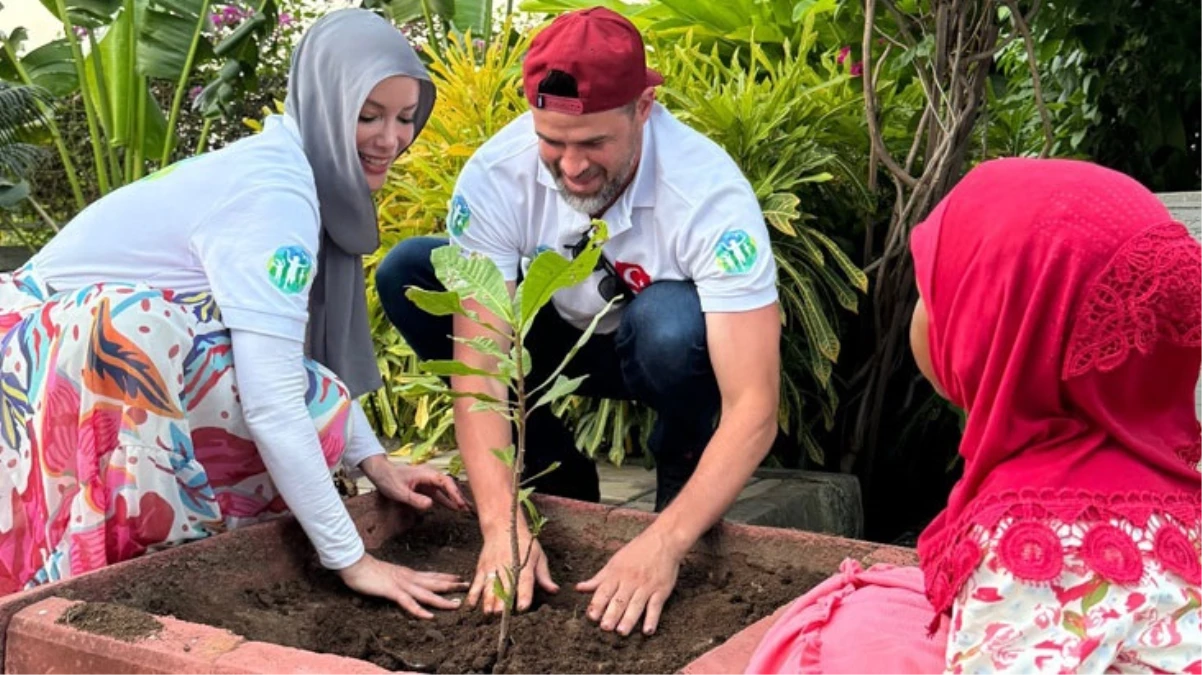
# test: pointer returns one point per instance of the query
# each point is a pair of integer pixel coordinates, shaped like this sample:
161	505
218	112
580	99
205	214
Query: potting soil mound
115	621
711	602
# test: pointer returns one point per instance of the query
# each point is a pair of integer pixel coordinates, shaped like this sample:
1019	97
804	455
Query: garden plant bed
261	584
714	599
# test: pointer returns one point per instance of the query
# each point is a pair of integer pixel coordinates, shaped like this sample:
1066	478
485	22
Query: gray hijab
340	59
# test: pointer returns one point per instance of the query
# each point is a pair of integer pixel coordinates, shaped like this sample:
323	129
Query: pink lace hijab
1065	307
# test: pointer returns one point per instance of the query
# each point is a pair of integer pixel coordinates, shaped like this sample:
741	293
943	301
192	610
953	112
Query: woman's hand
417	486
410	589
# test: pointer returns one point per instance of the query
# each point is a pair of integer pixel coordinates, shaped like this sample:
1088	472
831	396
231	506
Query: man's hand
417	486
408	588
639	577
496	557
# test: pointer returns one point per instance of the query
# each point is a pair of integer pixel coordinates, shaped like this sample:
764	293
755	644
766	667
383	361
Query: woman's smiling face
386	126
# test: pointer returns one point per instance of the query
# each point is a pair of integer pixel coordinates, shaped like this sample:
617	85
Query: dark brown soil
116	621
318	613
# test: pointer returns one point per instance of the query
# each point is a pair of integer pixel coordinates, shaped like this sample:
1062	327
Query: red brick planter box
31	640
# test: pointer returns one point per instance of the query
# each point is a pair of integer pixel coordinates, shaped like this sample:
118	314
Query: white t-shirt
247	213
241	222
688	214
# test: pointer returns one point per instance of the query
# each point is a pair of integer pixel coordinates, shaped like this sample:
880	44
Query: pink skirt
858	621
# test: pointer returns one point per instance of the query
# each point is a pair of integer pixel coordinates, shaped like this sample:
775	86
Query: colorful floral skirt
1081	598
121	429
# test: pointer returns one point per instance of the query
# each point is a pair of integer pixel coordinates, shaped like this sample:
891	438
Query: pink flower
194	92
1046	617
857	69
217	19
1161	634
80	32
987	594
478	44
286	19
1135	601
999	644
1099	617
842	55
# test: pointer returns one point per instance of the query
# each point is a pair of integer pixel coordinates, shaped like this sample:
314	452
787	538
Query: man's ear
643	109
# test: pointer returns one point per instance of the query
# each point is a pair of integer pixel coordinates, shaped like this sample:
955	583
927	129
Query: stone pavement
802	500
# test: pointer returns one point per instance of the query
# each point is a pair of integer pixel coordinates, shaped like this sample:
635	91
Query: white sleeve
480	221
258	251
728	254
363	442
271	378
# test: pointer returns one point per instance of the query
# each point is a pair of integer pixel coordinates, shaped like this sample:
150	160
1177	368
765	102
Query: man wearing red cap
696	336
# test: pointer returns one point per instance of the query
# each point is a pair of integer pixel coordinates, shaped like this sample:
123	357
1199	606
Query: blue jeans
658	356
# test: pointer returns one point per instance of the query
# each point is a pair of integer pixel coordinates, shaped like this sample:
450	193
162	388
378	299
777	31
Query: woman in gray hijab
184	357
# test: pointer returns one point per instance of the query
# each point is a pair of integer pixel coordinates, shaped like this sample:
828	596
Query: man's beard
591	205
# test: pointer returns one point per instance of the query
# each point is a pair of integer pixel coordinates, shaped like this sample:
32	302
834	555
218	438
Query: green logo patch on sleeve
736	252
459	217
290	269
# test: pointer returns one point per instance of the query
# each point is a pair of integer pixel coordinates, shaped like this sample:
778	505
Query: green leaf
818	327
474	16
498	590
1095	596
780	210
502	409
483	345
527	359
49	66
1074	623
438	303
11	194
563	387
505	455
551	272
446	368
87	13
584	337
474	277
165	33
537	521
119	118
801	8
455	467
488	347
540	474
854	274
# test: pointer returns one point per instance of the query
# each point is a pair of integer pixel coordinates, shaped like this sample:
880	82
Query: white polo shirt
688	214
241	222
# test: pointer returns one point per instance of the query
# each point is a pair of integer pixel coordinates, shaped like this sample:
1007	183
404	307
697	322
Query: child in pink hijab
1060	307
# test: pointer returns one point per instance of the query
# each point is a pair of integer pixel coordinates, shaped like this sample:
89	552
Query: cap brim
654	79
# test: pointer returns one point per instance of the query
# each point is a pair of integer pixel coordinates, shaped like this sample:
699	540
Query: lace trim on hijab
1036	531
1148	293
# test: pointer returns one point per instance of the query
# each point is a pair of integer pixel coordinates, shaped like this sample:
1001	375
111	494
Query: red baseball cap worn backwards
598	48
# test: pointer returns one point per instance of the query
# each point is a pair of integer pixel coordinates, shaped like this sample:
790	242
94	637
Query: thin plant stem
88	105
177	101
139	164
204	135
431	29
134	125
37	207
519	456
107	123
